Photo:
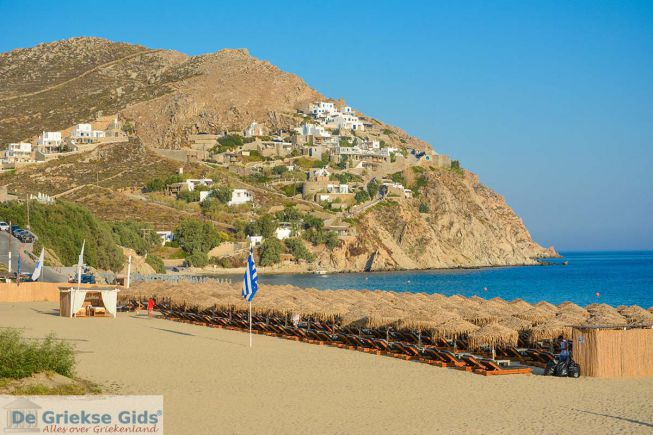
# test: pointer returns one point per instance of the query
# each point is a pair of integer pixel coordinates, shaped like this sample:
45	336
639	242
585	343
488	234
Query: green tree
155	185
222	194
331	240
267	225
138	236
298	250
198	259
361	196
424	208
195	235
270	251
156	263
311	221
373	188
279	169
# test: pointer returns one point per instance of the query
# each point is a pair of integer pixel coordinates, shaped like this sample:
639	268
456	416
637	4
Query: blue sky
550	103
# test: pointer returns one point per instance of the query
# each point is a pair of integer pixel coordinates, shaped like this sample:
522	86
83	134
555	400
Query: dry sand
212	382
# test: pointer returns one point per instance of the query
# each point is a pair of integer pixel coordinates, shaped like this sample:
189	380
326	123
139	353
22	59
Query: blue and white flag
38	268
250	283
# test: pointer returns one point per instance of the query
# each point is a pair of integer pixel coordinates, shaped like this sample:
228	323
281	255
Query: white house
309	129
19	151
49	141
282	232
338	188
255	240
192	183
98	134
204	194
81	131
240	196
344	121
321	109
254	129
166	236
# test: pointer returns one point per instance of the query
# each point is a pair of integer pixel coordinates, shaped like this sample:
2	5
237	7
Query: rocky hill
454	222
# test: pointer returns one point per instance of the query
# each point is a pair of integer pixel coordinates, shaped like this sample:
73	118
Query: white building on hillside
49	141
344	121
321	109
19	151
283	232
254	129
240	196
82	131
192	183
338	188
312	130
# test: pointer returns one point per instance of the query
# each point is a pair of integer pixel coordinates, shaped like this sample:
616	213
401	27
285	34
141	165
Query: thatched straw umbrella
520	305
636	315
535	315
544	305
516	323
571	318
603	309
355	318
572	308
478	316
493	335
606	318
454	328
550	330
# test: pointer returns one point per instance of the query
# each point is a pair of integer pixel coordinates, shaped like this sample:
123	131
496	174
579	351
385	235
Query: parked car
14	229
4	226
25	236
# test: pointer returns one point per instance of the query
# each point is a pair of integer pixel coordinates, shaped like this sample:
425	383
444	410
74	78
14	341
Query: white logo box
81	414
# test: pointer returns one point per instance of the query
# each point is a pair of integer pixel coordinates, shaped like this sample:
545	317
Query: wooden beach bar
614	351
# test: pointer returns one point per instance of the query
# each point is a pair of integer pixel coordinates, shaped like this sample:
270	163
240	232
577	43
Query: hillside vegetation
63	227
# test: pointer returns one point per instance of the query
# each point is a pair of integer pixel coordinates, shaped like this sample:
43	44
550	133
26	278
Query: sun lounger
451	359
493	368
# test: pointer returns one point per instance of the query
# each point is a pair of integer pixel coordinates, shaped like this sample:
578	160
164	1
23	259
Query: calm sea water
620	278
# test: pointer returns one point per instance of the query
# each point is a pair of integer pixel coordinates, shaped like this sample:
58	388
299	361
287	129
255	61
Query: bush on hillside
137	236
156	263
297	248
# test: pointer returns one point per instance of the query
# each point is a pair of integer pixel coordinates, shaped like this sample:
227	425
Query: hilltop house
309	129
49	142
283	231
84	133
20	151
240	196
321	109
254	129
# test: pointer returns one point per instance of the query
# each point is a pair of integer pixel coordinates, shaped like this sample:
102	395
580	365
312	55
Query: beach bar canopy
88	302
613	351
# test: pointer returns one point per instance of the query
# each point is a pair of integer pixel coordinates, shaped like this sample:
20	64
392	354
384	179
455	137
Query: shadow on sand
629	420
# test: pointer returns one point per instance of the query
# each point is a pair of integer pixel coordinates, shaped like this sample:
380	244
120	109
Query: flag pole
250	323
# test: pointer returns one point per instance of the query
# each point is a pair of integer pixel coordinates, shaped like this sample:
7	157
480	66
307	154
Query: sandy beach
212	382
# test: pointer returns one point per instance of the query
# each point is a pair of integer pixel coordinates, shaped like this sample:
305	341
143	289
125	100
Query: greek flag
250	282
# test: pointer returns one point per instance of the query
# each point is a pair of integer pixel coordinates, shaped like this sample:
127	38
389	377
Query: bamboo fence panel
614	353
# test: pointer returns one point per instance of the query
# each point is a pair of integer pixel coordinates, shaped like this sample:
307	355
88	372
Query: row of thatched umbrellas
495	322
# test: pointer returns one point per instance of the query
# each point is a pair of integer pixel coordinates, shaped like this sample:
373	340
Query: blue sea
614	278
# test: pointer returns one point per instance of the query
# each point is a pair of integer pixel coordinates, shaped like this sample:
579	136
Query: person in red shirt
150	307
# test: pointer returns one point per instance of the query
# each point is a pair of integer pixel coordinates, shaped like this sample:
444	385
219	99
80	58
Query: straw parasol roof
520	305
354	318
605	318
570	307
535	314
603	309
479	316
550	329
544	305
493	335
516	323
636	315
454	327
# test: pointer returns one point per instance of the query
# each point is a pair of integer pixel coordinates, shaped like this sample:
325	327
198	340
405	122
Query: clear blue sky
549	102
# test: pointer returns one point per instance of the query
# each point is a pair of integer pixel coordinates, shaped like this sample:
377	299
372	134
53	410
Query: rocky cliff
462	224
